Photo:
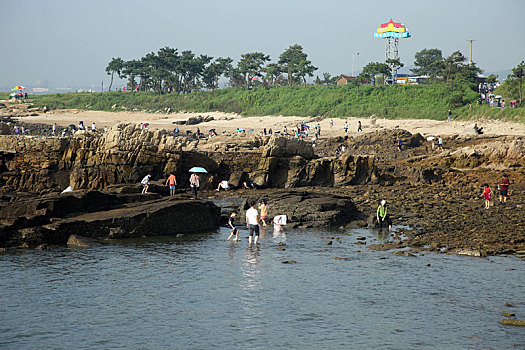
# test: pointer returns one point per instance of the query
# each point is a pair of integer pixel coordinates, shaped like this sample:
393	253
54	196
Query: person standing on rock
145	183
54	129
399	144
487	192
382	215
440	143
171	182
503	189
346	128
252	223
194	183
359	126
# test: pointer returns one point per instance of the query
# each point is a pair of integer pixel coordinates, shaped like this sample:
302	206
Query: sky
68	43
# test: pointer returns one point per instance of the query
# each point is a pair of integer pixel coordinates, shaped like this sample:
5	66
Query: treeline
169	70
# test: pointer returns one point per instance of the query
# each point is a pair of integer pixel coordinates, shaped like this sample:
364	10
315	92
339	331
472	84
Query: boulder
80	241
308	209
194	120
282	146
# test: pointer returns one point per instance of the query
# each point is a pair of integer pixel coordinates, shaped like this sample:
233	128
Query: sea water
203	292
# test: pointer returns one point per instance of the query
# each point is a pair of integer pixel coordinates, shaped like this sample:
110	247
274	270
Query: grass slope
395	102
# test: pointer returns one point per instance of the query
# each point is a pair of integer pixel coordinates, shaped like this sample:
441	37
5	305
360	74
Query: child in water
486	193
231	223
264	211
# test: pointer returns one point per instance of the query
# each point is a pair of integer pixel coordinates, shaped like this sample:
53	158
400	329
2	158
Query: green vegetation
430	101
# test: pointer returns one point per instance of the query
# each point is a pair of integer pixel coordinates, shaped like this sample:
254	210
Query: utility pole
102	83
353	56
470	58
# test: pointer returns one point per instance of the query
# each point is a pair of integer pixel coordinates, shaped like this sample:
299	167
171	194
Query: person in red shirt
486	193
503	189
172	182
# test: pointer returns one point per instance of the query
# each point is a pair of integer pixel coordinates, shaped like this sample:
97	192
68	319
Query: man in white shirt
252	223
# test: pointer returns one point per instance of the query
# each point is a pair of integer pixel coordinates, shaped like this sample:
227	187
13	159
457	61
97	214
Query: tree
373	68
428	62
328	79
455	70
212	72
272	73
394	64
130	70
294	62
114	66
491	79
251	64
518	73
305	69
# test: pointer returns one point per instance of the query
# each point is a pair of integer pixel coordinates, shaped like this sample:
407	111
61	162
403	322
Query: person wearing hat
382	215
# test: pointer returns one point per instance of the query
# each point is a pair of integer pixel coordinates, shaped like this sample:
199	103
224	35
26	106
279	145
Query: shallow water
205	292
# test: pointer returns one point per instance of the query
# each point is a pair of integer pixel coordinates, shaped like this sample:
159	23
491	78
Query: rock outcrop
307	209
126	153
54	219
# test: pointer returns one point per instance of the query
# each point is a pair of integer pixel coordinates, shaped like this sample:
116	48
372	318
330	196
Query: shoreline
229	122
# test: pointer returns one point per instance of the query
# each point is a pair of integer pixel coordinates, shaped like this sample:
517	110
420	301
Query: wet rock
80	241
52	219
383	246
469	252
328	242
361	238
508	314
513	322
308	209
289	262
339	258
42	247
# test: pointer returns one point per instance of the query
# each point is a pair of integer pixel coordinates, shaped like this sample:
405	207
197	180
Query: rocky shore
434	195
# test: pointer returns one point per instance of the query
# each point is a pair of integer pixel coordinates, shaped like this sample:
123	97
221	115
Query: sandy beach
230	122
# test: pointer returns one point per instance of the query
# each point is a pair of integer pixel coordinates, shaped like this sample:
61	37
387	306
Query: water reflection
165	293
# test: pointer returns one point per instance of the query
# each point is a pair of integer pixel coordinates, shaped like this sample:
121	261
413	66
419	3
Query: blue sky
69	43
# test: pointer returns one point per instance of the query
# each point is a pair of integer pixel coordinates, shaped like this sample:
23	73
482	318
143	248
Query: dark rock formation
307	208
53	218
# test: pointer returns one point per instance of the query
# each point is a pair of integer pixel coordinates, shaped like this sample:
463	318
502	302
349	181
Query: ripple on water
205	292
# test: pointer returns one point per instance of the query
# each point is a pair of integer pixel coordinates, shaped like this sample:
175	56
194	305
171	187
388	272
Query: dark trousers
195	189
387	219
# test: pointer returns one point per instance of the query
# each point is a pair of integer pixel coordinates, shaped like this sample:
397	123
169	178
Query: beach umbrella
498	96
198	169
18	87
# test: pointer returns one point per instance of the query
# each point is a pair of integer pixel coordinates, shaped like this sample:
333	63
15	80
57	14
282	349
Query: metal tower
392	31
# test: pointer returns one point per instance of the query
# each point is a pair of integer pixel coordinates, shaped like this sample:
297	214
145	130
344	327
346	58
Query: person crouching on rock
145	183
231	223
194	183
487	192
382	215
